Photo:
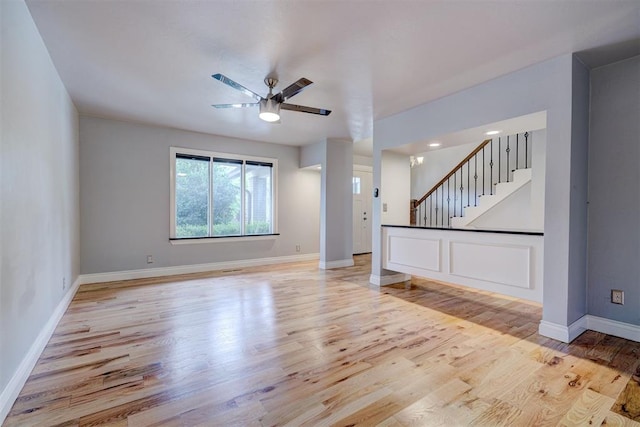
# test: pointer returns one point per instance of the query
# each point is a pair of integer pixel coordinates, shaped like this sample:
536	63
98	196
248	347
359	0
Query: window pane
192	197
356	185
257	192
226	197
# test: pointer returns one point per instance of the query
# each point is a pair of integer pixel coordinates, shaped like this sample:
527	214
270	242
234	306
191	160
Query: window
356	185
221	195
192	196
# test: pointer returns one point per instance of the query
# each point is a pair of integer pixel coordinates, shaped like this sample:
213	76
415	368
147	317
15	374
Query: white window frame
174	151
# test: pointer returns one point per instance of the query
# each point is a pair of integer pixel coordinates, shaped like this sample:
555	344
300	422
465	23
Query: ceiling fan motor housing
271	82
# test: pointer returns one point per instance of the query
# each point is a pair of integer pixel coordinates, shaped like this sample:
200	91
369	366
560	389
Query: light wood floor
293	345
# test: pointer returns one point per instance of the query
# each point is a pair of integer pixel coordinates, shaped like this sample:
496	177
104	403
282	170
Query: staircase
493	175
503	192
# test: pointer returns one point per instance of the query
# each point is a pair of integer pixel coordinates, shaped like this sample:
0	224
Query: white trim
388	279
245	238
513	265
172	191
362	168
613	327
19	378
327	265
195	268
577	328
506	240
589	322
561	332
174	151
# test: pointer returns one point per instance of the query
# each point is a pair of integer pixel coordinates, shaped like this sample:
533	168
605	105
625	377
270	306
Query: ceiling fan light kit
271	105
269	110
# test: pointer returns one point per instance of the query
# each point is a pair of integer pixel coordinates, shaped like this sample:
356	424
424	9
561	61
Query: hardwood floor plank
590	409
294	345
428	410
499	414
616	420
628	402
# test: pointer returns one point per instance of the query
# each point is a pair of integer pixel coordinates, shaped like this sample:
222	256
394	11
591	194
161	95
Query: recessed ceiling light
492	132
435	144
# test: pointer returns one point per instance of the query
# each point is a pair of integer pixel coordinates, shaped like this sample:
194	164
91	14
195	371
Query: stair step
520	175
519	178
458	222
471	211
504	188
488	199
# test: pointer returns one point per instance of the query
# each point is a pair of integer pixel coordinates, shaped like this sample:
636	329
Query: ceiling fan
271	105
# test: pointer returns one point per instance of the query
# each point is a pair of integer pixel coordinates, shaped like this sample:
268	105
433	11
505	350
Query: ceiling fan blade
294	89
236	105
303	109
237	86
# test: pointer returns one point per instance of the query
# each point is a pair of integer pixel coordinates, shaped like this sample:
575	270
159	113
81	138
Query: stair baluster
436	210
499	162
508	150
491	169
475	181
461	191
517	146
526	149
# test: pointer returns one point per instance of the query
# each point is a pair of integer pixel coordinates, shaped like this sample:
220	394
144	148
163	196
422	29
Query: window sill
221	239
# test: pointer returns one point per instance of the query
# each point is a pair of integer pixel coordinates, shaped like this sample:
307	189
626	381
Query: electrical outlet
149	259
297	248
617	296
64	283
384	207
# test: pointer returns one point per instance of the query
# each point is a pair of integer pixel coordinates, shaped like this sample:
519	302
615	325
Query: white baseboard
388	279
19	378
327	265
195	268
589	322
561	332
613	327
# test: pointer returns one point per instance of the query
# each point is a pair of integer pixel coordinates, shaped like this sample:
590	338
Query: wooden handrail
454	170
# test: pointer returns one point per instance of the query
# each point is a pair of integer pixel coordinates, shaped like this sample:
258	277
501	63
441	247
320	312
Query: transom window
221	195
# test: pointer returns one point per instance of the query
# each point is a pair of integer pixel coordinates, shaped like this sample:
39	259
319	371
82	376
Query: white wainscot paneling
503	264
506	263
415	252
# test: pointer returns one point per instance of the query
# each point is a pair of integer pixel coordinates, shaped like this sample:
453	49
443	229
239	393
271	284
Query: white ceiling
527	123
151	61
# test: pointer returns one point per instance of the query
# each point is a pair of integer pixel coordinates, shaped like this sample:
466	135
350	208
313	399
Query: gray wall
336	225
577	297
614	190
39	211
124	193
546	86
336	159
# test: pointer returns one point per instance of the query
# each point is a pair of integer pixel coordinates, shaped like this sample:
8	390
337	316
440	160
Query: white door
362	183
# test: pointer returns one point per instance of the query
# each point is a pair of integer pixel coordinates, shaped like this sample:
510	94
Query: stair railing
471	179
